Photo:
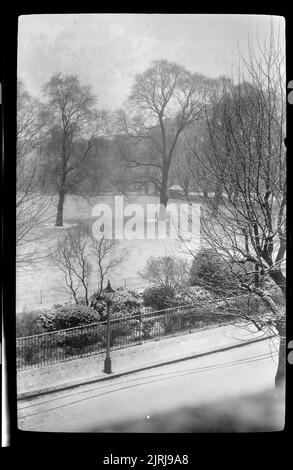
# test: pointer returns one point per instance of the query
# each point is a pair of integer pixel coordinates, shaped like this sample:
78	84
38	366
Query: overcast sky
107	50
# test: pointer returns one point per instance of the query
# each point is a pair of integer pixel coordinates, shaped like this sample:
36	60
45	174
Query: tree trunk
163	189
235	197
279	279
163	197
281	370
256	275
265	296
281	329
74	296
218	198
186	188
86	294
59	217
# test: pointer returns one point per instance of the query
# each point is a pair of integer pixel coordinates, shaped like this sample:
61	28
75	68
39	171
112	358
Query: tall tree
77	124
164	101
32	205
71	256
245	128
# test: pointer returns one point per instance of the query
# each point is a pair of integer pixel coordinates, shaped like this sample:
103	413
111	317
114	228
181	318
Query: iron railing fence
72	343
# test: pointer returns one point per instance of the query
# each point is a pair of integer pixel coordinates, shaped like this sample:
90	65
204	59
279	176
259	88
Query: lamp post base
108	366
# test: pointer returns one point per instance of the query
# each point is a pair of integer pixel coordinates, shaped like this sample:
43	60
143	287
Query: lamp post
108	295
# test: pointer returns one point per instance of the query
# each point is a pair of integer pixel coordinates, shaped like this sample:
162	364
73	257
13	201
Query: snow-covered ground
42	284
202	381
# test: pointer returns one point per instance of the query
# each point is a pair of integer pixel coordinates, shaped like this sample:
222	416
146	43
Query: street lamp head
108	292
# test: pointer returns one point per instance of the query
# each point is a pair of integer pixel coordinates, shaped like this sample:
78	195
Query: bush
27	355
199	293
147	328
158	298
210	271
99	305
253	305
192	295
33	351
172	323
167	271
29	323
80	342
81	301
125	302
117	331
68	316
151	328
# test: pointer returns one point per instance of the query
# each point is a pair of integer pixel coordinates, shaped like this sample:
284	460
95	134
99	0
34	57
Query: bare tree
245	128
183	169
103	258
76	126
32	202
164	101
82	258
71	256
167	272
120	175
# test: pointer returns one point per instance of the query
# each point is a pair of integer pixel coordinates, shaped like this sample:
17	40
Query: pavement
227	391
66	375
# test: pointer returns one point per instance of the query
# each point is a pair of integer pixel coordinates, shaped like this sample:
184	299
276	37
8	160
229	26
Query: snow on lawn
42	284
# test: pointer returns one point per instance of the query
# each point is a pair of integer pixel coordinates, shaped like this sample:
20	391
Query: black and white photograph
151	224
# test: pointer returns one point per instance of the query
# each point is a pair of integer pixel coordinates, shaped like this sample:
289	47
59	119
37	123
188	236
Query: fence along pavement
72	343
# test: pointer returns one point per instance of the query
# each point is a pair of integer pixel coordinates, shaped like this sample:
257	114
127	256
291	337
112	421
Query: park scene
150	224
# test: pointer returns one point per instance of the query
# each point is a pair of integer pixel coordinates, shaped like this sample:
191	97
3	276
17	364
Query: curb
102	378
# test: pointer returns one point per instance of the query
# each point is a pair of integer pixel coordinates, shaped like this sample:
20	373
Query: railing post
107	363
140	327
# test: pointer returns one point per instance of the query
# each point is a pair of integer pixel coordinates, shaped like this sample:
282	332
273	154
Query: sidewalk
76	372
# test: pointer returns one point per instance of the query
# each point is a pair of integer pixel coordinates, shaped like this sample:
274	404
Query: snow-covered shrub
192	295
210	271
168	272
99	304
29	323
81	301
81	342
157	298
68	316
125	302
152	328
